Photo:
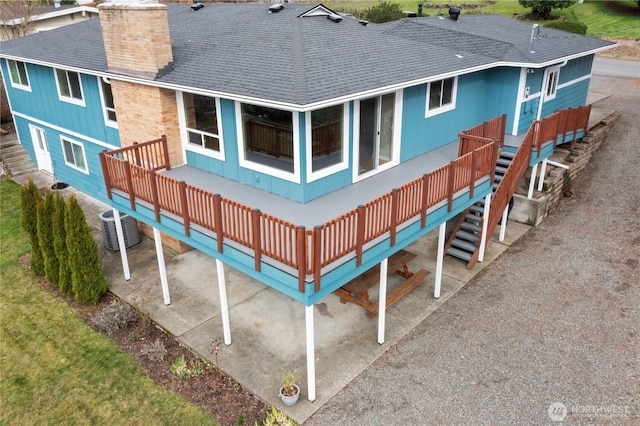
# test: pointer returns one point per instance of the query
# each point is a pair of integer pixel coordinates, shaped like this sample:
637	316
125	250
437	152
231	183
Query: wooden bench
357	290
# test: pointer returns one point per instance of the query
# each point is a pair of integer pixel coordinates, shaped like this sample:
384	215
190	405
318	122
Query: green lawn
56	370
603	18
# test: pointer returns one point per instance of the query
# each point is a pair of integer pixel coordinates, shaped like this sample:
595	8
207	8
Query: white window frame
105	109
342	165
184	131
18	84
271	171
73	164
69	99
551	83
446	107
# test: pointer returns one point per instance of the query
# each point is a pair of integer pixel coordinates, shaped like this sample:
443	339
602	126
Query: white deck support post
163	270
532	183
224	306
123	249
311	357
543	170
503	223
439	259
382	300
485	226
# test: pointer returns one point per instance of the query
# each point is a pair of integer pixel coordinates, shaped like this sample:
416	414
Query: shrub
45	238
384	12
113	317
569	26
29	199
541	9
185	370
60	243
154	351
87	279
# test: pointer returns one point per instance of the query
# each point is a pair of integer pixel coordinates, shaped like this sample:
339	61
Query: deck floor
327	207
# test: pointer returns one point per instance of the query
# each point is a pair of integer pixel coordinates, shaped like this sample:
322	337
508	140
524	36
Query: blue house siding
576	68
91	183
43	102
566	97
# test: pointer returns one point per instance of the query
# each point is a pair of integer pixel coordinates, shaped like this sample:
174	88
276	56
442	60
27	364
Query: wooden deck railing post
154	194
165	152
474	166
217	220
394	216
317	256
425	197
360	226
184	207
136	154
257	238
132	194
105	173
450	186
301	256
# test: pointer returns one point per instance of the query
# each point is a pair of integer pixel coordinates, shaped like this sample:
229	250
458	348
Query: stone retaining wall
557	182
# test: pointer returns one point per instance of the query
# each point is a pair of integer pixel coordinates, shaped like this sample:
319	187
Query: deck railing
489	131
307	251
571	122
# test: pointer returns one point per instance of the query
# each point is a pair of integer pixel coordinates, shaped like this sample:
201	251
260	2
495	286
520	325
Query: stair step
473	217
464	245
503	162
464	235
507	154
477	209
467	226
501	170
460	254
497	178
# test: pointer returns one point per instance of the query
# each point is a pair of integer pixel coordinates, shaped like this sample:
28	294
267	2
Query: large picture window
107	102
441	96
69	86
74	155
201	121
325	141
268	137
18	72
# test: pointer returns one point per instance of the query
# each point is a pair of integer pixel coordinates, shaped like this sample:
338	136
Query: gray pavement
551	325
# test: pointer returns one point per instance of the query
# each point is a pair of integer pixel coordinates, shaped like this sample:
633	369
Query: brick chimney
136	37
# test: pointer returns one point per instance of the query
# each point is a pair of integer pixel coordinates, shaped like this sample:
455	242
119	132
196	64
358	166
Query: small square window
74	155
18	73
441	96
69	86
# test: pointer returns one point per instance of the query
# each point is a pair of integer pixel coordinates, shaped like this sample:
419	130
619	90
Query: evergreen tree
30	197
87	278
60	243
45	238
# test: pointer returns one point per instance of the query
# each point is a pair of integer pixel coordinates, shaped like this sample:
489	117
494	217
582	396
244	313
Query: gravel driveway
548	332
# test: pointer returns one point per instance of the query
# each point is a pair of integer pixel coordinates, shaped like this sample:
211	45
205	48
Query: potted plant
289	389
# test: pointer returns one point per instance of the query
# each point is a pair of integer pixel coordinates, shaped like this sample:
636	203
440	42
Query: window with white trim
202	122
74	155
267	137
552	83
441	96
69	86
108	107
18	73
326	153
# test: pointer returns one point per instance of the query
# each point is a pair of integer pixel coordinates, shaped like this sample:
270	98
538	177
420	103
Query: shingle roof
244	51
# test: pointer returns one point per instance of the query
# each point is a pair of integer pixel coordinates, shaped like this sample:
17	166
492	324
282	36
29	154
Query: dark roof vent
454	12
275	8
334	17
197	6
363	23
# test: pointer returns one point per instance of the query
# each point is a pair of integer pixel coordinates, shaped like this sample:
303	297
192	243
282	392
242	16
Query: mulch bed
219	395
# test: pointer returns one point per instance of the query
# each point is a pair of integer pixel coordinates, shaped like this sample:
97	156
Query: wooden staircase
464	241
